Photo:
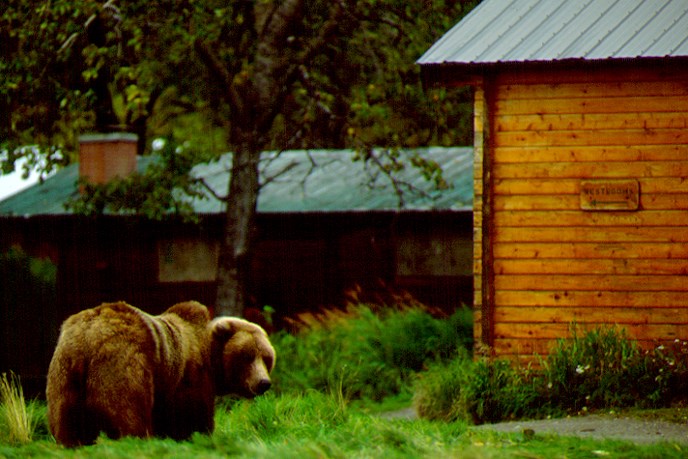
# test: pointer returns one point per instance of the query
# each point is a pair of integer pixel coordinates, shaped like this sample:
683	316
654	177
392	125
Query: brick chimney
103	157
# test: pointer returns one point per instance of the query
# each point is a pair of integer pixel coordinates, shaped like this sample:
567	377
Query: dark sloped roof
504	31
50	197
297	181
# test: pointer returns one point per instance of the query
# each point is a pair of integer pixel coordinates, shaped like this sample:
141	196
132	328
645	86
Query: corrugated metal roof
501	31
296	181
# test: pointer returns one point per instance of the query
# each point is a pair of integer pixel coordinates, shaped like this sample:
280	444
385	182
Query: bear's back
103	329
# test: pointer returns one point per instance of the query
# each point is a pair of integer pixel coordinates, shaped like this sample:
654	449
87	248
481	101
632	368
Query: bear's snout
262	386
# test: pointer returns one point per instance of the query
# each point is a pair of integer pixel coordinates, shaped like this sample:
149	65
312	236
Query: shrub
597	370
364	351
18	419
438	392
662	375
481	391
593	370
604	369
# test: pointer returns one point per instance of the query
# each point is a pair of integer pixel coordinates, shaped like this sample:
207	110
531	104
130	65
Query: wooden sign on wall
609	194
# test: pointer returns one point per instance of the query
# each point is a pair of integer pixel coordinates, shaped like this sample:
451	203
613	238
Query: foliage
67	67
593	370
33	274
19	420
601	369
165	188
365	352
604	369
482	391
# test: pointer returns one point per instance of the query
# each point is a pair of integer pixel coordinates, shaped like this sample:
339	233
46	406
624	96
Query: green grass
18	420
314	425
343	367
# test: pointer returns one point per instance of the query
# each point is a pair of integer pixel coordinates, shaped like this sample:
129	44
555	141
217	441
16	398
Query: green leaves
66	66
163	191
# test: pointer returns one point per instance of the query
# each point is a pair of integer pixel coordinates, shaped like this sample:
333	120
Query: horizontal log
596	315
591	122
591	250
628	266
640	104
583	153
537	202
636	169
584	234
598	137
595	298
591	90
523	349
559	186
571	218
572	202
554	331
591	282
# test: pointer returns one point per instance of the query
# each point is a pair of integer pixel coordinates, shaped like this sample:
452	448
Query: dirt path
619	427
633	429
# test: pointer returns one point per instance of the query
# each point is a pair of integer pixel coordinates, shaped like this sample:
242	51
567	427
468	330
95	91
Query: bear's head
242	357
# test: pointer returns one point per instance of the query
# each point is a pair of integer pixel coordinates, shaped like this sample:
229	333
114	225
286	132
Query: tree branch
313	46
107	6
219	72
201	181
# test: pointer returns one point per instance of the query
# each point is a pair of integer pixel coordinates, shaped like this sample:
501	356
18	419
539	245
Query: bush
593	370
599	370
662	375
481	391
366	352
605	369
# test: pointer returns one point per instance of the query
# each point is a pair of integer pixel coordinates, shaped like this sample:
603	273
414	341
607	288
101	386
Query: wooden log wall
553	263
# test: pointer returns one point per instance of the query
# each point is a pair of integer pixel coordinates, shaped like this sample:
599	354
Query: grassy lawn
320	426
344	367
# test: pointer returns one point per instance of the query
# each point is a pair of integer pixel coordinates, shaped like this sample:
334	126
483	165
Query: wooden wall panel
555	264
482	324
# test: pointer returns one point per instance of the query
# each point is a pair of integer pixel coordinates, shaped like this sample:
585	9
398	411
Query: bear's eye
245	358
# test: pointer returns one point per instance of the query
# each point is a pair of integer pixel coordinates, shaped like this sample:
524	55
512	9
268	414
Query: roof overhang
452	74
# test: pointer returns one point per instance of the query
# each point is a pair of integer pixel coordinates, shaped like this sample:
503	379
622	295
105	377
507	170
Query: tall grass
365	352
18	419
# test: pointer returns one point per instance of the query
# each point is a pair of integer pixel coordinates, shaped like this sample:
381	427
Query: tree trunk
235	247
255	104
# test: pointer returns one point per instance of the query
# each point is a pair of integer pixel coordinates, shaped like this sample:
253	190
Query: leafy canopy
188	71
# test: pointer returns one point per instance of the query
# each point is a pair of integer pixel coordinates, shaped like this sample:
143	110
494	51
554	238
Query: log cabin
580	167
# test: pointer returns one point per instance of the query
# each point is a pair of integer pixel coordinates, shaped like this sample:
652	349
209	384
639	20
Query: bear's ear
223	328
191	311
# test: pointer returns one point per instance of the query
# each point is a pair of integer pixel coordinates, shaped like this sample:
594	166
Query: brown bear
121	371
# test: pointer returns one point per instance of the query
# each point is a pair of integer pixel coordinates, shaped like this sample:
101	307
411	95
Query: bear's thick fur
121	371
